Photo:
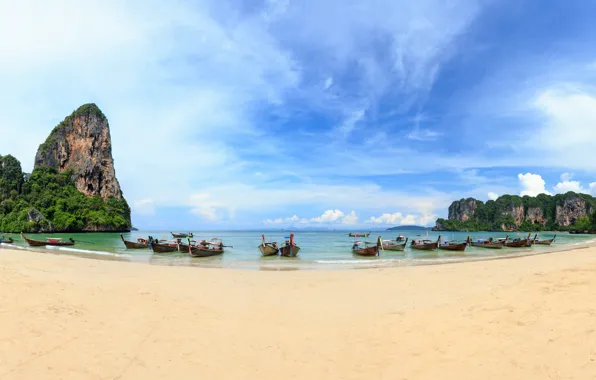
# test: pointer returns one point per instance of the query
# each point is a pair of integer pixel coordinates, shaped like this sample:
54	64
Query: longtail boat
425	245
140	243
164	247
519	243
451	246
208	250
391	245
55	242
181	235
366	251
6	240
289	249
545	242
486	243
351	234
268	248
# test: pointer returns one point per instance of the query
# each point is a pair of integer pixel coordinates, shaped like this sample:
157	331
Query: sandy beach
64	317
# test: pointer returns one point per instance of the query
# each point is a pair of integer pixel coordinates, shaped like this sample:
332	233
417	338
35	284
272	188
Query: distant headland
73	186
562	212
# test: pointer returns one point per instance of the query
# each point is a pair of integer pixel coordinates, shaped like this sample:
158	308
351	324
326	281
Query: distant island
409	228
73	186
562	212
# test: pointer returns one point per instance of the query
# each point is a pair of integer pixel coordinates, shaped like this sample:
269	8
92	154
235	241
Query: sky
314	113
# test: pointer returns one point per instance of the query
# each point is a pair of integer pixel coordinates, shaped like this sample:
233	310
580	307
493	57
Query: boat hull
454	247
205	252
163	248
268	250
369	251
39	243
544	242
133	245
425	247
289	251
519	244
394	247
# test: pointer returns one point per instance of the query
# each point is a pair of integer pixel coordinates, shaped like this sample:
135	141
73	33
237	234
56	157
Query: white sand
63	317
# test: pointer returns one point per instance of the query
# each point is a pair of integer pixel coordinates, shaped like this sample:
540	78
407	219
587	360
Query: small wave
88	252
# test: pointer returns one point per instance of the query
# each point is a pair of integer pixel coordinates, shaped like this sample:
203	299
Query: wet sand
64	317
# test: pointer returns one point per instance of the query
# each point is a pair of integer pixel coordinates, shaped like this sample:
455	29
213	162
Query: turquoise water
319	249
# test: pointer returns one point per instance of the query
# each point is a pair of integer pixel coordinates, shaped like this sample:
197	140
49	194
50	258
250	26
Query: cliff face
462	210
82	144
510	212
535	215
571	209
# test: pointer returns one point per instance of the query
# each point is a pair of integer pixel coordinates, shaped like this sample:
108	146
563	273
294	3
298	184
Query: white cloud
568	132
351	218
328	83
493	196
144	207
398	218
328	216
408	220
565	186
291	220
532	184
395	218
593	188
566	177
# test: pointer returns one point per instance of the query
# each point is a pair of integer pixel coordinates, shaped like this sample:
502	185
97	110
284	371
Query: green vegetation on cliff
48	201
561	212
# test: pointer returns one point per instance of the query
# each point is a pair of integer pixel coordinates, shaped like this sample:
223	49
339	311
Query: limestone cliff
511	213
462	210
82	145
570	209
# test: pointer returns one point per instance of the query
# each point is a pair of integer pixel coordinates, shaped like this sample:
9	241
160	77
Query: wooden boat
358	234
201	250
392	246
486	243
55	242
425	245
519	243
400	238
290	249
268	248
181	235
366	251
450	246
140	244
545	242
6	240
164	247
582	232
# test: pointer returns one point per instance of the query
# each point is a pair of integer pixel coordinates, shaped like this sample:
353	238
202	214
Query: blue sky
277	113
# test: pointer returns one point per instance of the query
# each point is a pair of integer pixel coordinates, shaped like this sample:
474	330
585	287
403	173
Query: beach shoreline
79	318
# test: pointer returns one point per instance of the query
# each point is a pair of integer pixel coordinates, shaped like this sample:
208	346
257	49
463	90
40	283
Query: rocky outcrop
512	212
82	145
462	210
571	209
535	215
516	212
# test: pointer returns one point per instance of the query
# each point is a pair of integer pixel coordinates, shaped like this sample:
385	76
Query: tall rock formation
570	209
82	144
462	210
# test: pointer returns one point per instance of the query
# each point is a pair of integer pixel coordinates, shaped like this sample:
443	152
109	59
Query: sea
319	249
